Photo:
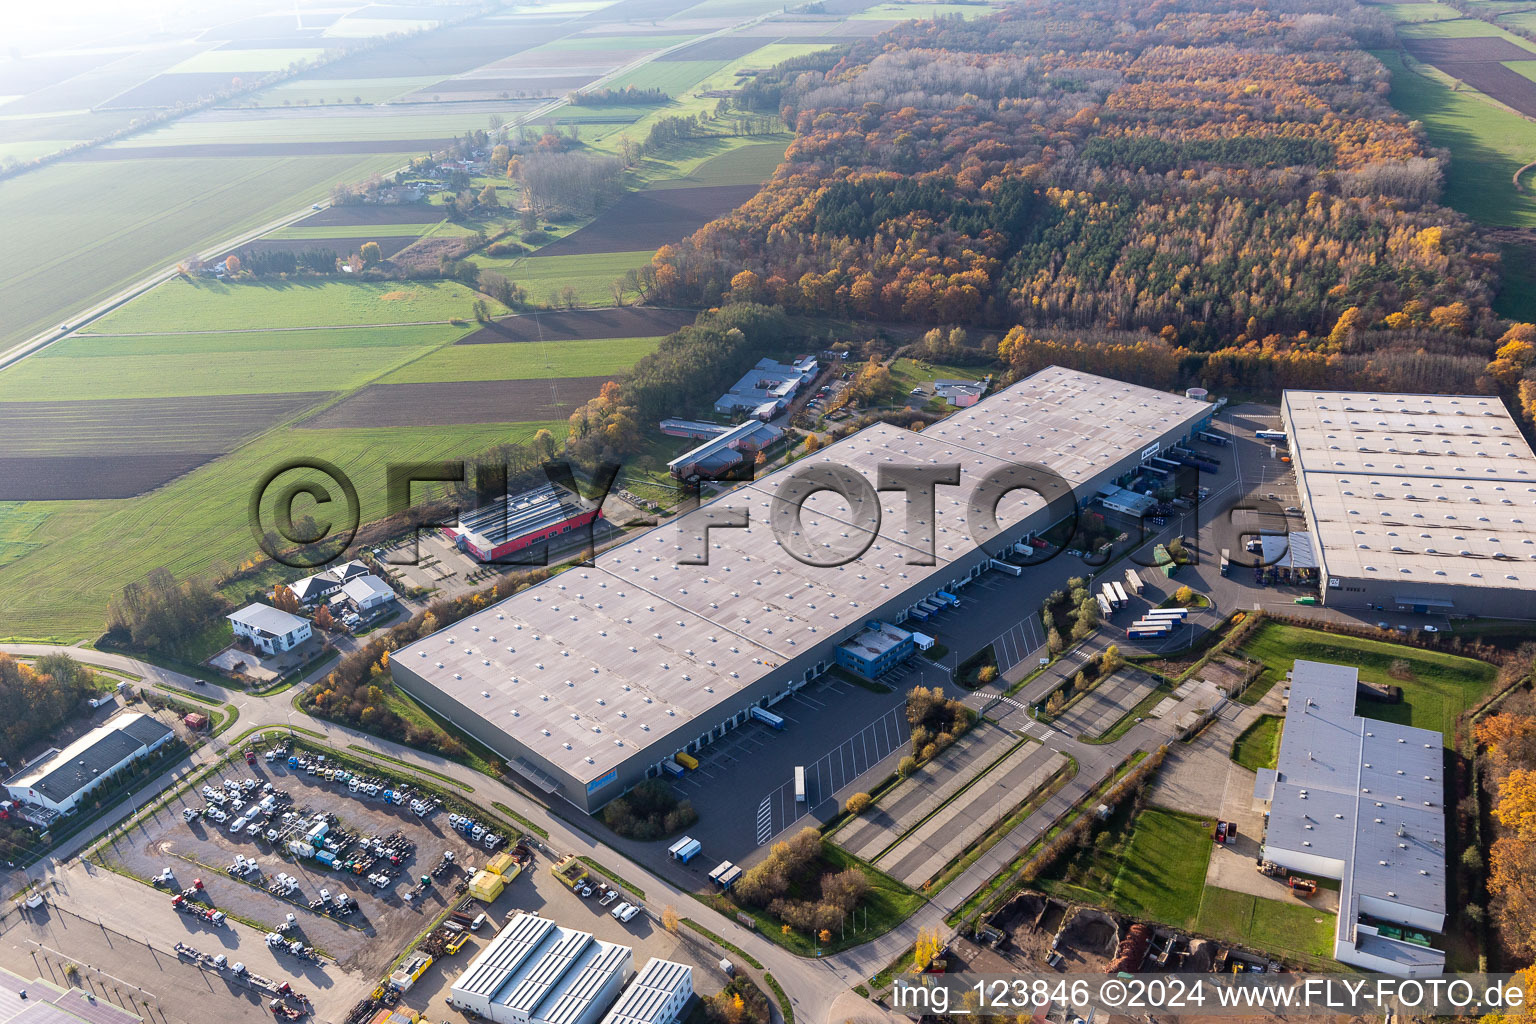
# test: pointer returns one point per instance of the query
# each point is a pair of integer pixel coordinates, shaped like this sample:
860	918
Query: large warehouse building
587	682
1418	503
1362	801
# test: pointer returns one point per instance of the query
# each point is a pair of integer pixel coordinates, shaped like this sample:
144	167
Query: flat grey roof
591	665
1362	791
1416	491
267	619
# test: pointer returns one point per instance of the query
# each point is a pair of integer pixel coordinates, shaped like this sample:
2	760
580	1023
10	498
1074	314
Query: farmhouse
60	779
767	388
1362	801
1418	503
518	521
270	630
586	683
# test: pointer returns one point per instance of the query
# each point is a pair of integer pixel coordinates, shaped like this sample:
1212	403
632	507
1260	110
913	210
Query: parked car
618	911
629	913
1431	629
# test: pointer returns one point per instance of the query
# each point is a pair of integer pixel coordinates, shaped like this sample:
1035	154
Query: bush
649	811
858	803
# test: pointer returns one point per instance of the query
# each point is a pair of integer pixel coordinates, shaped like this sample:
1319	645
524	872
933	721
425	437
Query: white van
238	825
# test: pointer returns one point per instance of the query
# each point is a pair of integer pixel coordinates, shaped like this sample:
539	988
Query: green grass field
1525	68
342	124
1156	874
909	11
1487	143
20	523
1517	289
1458	28
524	360
672	77
751	162
210	305
1258	746
591	275
1437	688
304	91
86	551
1271	925
1405	13
238	62
215	364
81	231
364	231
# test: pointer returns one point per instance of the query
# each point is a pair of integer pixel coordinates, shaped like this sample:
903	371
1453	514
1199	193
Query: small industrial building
60	779
367	592
270	630
962	394
515	522
726	451
1126	502
876	649
535	971
656	996
323	584
766	389
1423	504
588	682
1362	801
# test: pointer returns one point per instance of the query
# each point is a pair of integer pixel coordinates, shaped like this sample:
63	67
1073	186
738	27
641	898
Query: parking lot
381	920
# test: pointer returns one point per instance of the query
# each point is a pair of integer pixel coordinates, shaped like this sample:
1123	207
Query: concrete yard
962	823
870	834
1106	704
366	941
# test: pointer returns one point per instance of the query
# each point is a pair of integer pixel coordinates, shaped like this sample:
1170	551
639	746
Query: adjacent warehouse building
1362	801
1418	503
60	779
726	451
587	682
518	521
535	971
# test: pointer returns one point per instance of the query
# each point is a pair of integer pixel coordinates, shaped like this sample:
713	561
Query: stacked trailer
1120	593
1105	608
1108	593
1145	630
1174	615
1133	580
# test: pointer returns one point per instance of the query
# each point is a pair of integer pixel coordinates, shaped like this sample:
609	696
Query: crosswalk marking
765	820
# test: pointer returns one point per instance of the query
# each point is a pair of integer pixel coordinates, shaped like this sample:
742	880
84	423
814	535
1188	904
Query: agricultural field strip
198	424
27	345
